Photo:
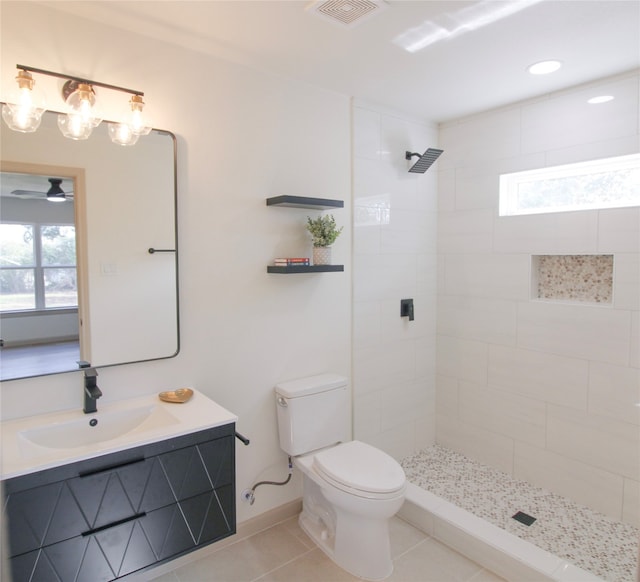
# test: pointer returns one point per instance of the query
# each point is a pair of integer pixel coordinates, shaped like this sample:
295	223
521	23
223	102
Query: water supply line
249	494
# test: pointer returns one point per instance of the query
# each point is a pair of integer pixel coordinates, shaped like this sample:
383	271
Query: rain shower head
425	161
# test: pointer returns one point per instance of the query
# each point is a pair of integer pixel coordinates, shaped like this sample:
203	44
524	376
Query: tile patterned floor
284	553
584	537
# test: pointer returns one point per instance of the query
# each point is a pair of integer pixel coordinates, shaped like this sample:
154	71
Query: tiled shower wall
546	391
394	246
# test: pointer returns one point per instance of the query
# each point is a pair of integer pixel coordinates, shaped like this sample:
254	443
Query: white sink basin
40	442
103	426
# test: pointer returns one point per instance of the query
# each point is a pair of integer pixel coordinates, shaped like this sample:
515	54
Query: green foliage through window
37	267
609	183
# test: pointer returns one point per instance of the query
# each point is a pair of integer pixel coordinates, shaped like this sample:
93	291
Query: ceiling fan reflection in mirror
54	193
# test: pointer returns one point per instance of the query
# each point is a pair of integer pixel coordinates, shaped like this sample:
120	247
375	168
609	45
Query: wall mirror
94	277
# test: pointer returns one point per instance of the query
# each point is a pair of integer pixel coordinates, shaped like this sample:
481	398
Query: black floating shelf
306	269
304	202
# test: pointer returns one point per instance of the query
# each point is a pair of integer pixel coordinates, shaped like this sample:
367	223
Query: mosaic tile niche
576	278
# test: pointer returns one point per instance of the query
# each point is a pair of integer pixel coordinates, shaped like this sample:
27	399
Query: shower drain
523	517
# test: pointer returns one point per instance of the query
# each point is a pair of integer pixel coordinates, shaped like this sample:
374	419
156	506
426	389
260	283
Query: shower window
606	183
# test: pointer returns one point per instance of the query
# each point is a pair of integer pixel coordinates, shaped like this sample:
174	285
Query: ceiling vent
347	12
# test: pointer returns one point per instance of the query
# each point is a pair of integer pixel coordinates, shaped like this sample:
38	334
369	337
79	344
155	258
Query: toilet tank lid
310	385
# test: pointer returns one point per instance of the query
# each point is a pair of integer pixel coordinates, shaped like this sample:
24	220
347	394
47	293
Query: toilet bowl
347	512
350	488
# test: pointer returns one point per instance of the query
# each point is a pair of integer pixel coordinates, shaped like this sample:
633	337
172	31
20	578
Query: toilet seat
360	469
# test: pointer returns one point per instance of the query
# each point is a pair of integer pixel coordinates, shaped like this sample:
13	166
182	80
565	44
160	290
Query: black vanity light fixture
23	111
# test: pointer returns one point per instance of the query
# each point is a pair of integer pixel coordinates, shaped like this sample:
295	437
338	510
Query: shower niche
307	203
586	279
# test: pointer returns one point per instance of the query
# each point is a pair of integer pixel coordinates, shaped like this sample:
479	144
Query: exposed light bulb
82	117
122	134
136	120
126	133
23	111
73	126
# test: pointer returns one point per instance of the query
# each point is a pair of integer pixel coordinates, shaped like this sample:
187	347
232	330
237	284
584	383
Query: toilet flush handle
282	402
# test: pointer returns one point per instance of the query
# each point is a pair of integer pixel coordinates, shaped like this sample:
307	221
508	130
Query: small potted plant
324	233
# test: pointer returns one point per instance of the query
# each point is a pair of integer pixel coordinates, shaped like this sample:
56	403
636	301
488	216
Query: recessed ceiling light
544	67
600	99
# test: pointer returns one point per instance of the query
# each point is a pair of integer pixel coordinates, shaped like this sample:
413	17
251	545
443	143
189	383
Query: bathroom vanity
158	482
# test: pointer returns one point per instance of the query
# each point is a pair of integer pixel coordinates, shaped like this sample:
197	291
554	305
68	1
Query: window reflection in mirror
39	286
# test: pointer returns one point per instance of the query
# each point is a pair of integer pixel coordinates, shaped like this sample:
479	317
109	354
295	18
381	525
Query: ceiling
37	185
479	65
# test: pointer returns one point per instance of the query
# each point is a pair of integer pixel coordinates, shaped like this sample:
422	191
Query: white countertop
21	456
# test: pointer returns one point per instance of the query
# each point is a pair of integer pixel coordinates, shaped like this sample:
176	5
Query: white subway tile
405	402
491	136
566	119
626	281
367	180
485	446
396	328
379	277
366	133
583	483
424	431
596	440
540	375
366	323
619	146
594	333
462	359
556	233
366	239
446	190
504	276
426	355
376	367
427	274
408	231
614	391
502	412
367	415
447	396
619	230
478	318
469	231
398	135
397	441
478	186
634	350
414	191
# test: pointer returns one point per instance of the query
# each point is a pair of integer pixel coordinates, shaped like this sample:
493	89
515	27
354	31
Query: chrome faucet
91	390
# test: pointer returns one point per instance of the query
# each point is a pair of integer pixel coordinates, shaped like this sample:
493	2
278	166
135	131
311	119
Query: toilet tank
313	413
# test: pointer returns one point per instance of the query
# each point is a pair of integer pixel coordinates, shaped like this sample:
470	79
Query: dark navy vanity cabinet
100	519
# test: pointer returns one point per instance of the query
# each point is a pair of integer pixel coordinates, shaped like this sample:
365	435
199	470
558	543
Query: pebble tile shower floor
588	539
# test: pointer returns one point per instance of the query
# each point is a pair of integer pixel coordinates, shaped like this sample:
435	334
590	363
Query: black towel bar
244	439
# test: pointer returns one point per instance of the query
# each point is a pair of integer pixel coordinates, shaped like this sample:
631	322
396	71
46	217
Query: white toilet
350	488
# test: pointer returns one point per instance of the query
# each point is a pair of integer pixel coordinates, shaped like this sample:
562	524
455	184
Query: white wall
243	136
545	391
394	239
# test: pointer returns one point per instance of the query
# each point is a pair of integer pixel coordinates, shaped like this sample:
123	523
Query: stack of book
292	262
